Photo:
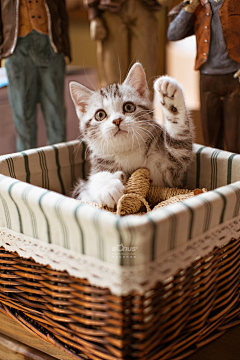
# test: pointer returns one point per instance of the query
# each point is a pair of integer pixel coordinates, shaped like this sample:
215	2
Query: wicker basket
185	308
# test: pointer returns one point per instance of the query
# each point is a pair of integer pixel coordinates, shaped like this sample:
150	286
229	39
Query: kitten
118	126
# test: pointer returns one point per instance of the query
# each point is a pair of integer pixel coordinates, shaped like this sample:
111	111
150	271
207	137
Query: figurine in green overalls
34	40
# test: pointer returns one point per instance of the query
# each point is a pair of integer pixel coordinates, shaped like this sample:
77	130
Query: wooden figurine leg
231	108
113	52
51	70
22	90
144	40
211	113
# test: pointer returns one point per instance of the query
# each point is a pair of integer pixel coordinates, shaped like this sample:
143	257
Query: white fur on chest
131	161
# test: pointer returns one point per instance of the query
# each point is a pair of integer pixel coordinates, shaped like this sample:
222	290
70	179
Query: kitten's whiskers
78	146
133	131
136	131
146	131
120	73
97	138
88	78
142	116
142	140
148	122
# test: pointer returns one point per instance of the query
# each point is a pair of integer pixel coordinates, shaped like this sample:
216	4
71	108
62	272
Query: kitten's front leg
104	188
178	135
178	124
173	105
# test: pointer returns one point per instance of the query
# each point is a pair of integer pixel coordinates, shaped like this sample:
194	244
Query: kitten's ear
80	95
137	79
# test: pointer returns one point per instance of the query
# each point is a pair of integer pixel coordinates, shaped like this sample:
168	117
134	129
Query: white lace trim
121	280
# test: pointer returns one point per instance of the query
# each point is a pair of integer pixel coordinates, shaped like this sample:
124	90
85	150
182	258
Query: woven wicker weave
171	321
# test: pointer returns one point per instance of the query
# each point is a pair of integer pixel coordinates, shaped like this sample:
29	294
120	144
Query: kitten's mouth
120	132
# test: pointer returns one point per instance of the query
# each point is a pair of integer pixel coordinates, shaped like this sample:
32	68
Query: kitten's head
114	118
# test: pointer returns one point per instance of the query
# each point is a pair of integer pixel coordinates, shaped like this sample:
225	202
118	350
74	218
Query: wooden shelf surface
16	343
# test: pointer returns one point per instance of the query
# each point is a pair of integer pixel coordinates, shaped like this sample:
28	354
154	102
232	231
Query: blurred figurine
34	39
216	26
126	31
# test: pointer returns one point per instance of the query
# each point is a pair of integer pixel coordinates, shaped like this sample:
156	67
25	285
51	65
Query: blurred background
176	59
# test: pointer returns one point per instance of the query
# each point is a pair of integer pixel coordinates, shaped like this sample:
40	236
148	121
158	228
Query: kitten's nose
117	122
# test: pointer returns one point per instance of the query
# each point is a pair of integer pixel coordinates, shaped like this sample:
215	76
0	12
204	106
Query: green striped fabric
34	189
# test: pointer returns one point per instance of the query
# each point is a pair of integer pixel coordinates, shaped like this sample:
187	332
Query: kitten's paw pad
170	93
108	188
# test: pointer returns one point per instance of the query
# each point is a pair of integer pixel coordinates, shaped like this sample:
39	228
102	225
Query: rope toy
136	189
139	193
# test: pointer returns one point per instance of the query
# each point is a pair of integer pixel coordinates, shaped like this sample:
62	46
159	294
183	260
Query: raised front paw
106	188
170	94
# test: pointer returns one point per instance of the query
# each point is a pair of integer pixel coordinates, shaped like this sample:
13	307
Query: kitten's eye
100	115
129	107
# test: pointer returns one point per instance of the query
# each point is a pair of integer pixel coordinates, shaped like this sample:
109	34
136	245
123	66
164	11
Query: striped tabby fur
122	135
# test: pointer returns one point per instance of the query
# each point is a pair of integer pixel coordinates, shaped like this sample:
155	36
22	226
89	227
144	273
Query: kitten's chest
129	162
135	160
